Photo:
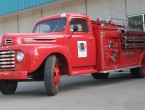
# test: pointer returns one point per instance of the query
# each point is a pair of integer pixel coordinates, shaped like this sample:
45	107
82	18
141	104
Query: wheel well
141	57
64	68
63	64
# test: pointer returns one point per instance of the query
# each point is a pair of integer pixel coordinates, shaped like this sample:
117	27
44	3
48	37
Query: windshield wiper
56	26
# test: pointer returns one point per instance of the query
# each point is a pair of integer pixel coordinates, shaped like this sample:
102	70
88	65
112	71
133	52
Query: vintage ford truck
69	44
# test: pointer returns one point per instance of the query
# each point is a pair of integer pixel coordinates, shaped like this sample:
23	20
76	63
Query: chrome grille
8	41
7	59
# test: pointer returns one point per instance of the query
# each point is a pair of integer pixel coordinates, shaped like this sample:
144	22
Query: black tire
51	75
137	72
134	73
140	71
100	75
8	87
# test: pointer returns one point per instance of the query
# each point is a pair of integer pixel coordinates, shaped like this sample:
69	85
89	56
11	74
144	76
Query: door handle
68	36
91	39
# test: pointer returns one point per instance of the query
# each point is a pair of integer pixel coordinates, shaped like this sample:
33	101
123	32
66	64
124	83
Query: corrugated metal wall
10	6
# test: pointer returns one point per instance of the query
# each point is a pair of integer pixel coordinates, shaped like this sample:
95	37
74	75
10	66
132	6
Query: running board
83	70
108	71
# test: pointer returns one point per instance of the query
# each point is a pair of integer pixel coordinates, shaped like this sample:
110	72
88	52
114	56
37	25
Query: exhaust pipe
133	45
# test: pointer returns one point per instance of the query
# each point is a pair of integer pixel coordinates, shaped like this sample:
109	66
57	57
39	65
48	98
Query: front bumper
13	75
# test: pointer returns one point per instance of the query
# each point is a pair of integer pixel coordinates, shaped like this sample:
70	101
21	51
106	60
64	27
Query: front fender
35	55
45	51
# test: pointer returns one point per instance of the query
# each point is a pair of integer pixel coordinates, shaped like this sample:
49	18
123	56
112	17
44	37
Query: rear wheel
139	72
51	75
8	87
134	72
100	75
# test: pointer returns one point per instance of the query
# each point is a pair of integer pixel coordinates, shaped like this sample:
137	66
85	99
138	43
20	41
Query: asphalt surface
119	92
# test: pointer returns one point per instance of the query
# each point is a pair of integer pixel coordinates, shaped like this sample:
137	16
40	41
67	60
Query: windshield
55	25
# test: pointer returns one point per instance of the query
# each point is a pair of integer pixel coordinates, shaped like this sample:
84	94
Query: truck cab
78	38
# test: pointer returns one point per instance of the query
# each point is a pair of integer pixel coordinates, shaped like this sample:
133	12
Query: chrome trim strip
8	41
7	56
7	59
44	39
28	40
7	52
119	69
6	66
7	63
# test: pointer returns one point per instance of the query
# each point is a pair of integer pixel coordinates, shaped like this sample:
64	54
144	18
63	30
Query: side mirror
98	21
74	28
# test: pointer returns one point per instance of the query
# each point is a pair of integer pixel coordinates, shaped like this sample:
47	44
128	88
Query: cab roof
61	16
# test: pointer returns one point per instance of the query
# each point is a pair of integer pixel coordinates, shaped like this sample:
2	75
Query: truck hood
30	38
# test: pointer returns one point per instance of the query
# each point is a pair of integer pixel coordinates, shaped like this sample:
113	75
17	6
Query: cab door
81	43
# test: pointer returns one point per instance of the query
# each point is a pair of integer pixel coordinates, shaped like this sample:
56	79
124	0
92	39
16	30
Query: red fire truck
69	44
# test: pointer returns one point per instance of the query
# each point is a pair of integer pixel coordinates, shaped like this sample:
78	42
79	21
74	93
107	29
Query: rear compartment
117	49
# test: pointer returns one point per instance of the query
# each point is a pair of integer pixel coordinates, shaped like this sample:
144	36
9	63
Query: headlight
20	56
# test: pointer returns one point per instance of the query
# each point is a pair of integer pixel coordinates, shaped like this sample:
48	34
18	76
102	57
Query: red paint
56	75
13	75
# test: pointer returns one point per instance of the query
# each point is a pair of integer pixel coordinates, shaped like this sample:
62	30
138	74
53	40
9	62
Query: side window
81	24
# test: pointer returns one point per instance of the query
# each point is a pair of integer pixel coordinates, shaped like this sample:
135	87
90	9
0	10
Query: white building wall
118	9
1	27
135	7
50	10
99	8
25	21
36	15
106	9
77	6
10	25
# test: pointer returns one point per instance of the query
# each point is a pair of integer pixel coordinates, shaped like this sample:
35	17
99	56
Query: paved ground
119	92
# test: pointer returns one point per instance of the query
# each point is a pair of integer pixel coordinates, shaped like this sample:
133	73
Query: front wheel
51	75
100	75
8	87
